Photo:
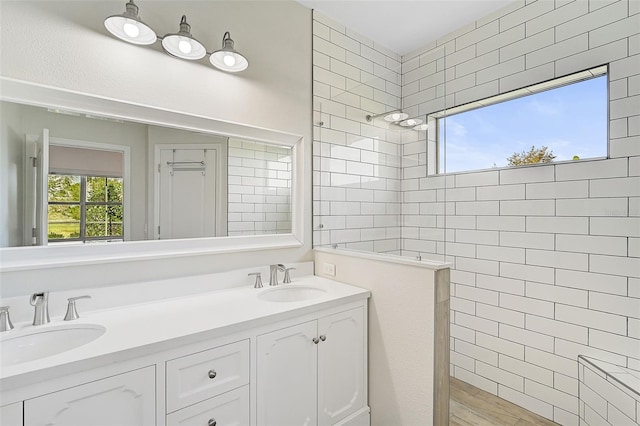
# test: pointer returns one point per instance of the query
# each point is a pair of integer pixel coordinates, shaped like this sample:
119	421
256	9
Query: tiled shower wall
259	185
356	163
546	258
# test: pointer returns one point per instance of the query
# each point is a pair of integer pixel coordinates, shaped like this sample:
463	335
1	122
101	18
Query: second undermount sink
291	293
46	342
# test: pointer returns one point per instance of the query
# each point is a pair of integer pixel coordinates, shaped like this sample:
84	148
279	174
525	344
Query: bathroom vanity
285	355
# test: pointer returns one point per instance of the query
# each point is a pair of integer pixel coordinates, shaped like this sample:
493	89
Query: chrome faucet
273	273
41	303
5	321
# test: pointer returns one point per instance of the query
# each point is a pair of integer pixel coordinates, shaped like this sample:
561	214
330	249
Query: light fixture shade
421	127
411	122
129	27
227	58
394	117
182	44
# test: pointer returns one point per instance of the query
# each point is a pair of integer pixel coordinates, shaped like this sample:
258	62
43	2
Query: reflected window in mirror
85	208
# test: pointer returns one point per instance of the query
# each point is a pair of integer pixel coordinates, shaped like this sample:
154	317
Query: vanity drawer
200	376
228	409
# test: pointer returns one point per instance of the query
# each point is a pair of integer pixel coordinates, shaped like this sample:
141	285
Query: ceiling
404	26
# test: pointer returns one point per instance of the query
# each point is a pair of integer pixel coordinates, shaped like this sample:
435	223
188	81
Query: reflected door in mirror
187	201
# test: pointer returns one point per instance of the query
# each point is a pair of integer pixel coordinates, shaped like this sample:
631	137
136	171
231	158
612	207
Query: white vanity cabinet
11	415
123	400
259	363
313	373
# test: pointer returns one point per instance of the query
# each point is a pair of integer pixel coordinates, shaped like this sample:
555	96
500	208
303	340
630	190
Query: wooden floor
470	406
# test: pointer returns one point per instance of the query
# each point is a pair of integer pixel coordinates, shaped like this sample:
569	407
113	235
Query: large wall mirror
86	174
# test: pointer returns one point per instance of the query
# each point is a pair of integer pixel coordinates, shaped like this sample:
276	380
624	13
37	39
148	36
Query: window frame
434	119
83	204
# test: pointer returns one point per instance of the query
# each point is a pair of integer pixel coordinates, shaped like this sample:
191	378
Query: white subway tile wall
259	185
545	258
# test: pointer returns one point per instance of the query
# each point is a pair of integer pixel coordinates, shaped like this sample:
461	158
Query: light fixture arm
131	10
371	117
226	40
184	26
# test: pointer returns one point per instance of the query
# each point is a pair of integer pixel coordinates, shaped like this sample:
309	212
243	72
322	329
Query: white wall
11	176
64	44
546	259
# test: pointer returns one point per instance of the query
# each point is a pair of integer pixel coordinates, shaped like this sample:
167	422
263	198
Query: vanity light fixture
228	58
182	44
392	117
130	28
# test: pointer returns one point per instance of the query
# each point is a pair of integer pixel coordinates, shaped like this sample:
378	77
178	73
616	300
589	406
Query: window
568	116
84	208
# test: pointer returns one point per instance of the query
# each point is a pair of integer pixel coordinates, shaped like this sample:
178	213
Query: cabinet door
123	400
11	415
287	376
341	366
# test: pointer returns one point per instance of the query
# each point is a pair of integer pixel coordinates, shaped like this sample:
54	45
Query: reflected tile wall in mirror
259	188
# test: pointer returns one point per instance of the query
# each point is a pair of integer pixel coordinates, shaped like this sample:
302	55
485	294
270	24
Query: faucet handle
5	321
72	313
287	277
258	283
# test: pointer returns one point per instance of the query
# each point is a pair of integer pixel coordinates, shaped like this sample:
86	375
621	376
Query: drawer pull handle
212	375
323	337
315	340
212	422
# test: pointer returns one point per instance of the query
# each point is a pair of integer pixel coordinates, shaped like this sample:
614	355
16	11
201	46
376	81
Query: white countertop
145	328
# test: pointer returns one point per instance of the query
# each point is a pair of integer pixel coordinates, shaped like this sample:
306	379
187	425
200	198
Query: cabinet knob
315	340
212	422
212	375
323	337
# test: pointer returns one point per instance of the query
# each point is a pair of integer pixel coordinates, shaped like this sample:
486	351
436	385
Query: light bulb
131	30
184	46
395	116
229	60
411	122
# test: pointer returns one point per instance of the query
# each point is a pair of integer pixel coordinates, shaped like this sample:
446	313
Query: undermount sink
291	294
46	342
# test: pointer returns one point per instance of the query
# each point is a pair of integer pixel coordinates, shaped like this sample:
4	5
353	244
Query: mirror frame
39	257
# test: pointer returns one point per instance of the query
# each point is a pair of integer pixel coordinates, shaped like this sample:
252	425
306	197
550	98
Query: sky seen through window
570	120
